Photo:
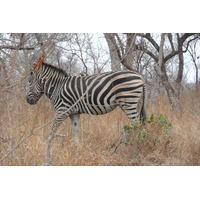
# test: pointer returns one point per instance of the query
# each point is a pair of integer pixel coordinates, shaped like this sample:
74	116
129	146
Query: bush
154	134
156	123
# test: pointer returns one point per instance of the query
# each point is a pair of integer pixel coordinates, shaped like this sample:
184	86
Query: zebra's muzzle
31	101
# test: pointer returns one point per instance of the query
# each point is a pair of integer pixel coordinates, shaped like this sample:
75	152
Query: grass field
101	137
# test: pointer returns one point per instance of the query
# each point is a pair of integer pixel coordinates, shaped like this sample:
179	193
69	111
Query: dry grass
100	136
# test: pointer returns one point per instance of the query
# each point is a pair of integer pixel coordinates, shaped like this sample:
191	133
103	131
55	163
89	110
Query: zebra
95	94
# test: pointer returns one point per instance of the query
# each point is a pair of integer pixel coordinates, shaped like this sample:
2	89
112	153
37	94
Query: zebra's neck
52	78
52	85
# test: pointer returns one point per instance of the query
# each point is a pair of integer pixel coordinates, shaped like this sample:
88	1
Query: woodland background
169	65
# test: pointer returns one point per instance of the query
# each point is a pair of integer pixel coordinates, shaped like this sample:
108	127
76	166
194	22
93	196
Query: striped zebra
96	94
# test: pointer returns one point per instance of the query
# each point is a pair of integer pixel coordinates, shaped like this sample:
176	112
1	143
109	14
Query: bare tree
161	59
192	50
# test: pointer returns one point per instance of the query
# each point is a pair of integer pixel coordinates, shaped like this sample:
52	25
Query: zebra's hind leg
75	122
131	112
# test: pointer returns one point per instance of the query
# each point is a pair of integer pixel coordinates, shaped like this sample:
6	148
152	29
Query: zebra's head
36	88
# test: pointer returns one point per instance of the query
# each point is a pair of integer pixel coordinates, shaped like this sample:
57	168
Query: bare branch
16	48
169	35
174	53
29	135
150	39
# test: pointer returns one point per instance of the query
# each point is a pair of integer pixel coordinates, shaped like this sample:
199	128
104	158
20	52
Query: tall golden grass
101	138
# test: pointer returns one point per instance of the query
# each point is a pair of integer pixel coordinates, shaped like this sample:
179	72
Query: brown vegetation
101	138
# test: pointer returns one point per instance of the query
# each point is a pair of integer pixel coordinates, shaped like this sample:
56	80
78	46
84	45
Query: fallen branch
116	142
24	140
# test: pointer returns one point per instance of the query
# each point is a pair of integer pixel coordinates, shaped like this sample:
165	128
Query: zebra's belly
99	110
96	109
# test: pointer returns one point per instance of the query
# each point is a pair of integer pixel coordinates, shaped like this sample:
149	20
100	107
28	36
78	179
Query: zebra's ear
32	65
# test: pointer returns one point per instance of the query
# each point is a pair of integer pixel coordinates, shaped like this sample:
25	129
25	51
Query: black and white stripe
96	94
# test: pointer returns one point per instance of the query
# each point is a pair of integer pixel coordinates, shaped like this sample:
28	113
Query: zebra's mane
59	70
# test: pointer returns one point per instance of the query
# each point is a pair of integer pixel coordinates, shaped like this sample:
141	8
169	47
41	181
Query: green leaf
127	128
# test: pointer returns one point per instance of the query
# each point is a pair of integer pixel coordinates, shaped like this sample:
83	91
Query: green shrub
157	126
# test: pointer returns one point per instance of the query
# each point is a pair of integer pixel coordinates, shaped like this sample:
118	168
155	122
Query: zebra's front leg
52	135
75	122
49	150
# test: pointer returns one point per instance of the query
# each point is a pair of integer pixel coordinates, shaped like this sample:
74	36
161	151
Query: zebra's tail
143	109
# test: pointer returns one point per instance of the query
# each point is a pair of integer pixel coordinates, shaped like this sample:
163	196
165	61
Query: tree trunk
161	71
115	60
129	55
180	68
197	74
